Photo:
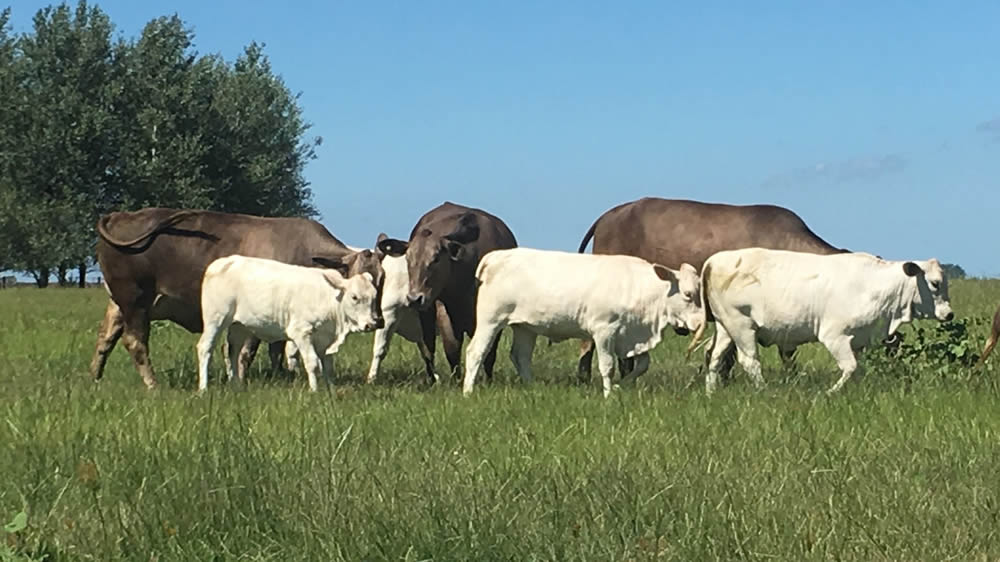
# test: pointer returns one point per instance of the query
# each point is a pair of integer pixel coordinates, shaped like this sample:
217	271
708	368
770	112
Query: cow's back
673	231
169	265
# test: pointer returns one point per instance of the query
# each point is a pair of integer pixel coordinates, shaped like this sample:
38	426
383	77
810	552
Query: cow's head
931	298
357	299
682	294
431	256
356	263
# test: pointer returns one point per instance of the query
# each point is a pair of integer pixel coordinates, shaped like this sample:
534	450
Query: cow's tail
992	342
588	236
174	218
706	310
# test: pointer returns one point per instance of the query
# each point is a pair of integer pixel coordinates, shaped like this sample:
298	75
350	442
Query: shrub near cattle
898	469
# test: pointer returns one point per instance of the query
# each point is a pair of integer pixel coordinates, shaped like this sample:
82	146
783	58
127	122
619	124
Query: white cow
844	301
399	317
623	303
314	309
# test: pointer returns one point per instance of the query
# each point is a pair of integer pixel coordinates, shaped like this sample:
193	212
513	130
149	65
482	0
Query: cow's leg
276	353
206	343
604	348
247	352
234	348
486	334
787	357
428	324
383	337
135	337
722	348
107	336
746	353
491	359
586	360
326	361
625	366
840	348
291	357
451	338
521	348
639	366
311	361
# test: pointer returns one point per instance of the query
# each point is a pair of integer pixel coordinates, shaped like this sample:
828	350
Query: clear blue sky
877	122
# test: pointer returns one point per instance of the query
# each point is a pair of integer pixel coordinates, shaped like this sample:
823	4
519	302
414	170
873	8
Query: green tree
90	125
953	271
61	139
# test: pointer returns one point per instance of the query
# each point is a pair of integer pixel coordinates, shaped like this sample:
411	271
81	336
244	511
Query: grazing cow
994	336
442	253
775	297
312	309
623	303
153	261
675	231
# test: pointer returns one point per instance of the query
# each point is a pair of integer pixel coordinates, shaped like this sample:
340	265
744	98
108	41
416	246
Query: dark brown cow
994	336
676	231
442	253
153	261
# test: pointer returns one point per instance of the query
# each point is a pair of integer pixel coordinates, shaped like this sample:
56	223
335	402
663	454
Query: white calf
843	301
623	303
314	309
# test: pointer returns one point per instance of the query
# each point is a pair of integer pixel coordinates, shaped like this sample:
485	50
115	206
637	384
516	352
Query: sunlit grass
552	471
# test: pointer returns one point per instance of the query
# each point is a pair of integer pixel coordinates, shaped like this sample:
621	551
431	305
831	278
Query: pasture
899	466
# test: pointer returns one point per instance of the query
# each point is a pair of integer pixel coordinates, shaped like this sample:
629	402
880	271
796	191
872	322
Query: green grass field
897	467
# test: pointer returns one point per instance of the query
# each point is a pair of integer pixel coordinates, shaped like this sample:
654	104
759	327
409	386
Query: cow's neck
900	298
338	321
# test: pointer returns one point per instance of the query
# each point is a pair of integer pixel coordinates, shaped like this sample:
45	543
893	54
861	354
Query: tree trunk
82	271
61	270
41	277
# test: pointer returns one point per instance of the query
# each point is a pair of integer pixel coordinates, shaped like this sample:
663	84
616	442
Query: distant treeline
92	122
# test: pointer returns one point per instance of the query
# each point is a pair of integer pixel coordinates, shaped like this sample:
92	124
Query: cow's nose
949	317
681	330
379	323
416	300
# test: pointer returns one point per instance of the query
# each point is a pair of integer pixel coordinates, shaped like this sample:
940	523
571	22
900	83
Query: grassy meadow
900	466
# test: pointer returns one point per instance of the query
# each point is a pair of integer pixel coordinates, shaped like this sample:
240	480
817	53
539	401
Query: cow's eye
935	285
688	295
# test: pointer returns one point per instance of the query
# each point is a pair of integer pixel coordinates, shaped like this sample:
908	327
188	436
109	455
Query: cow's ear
455	250
665	273
912	269
467	229
391	246
336	280
337	264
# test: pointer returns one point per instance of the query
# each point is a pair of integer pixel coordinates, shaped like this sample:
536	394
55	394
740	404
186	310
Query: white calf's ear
336	281
912	269
665	273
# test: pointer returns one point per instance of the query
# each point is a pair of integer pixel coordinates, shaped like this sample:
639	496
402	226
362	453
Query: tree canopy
91	122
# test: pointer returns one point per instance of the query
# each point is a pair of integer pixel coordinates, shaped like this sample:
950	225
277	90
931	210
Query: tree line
92	122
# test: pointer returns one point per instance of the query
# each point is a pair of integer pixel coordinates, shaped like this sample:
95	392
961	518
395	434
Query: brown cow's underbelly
176	310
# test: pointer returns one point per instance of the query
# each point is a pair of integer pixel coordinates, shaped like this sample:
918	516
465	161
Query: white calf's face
683	293
360	303
931	299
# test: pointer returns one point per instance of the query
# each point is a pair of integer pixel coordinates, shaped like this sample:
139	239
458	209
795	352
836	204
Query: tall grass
400	471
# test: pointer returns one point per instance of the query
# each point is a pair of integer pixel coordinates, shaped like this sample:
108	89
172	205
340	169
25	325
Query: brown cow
442	253
994	336
153	261
676	231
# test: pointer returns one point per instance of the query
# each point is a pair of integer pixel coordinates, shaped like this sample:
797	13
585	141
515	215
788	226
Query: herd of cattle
757	271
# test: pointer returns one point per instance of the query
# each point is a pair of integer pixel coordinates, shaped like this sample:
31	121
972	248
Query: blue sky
878	123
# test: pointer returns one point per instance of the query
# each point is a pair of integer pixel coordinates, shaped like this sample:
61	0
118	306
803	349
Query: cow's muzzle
418	301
